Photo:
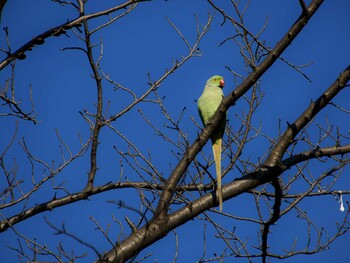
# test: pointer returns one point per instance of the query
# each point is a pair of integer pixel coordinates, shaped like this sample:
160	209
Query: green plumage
208	103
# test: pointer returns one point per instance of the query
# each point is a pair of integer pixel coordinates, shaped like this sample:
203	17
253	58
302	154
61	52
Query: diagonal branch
254	37
181	216
287	138
158	227
58	30
229	101
162	223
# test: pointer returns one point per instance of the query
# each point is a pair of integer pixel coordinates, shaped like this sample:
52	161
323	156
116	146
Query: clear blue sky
141	43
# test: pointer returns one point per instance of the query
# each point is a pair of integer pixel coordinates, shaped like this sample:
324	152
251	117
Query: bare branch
58	30
288	137
273	219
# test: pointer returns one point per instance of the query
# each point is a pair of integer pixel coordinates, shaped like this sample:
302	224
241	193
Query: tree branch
229	101
163	223
58	30
287	138
273	219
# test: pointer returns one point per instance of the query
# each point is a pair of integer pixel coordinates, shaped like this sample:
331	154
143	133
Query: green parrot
208	103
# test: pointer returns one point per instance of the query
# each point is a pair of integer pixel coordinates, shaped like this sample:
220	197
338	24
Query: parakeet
208	103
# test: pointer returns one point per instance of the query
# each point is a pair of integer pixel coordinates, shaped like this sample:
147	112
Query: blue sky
143	42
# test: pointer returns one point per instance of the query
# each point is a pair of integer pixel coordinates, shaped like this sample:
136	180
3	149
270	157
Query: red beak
222	83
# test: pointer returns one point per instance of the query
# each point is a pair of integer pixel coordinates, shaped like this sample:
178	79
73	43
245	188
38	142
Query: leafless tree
304	160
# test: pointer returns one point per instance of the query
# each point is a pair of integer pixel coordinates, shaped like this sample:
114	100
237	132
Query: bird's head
216	81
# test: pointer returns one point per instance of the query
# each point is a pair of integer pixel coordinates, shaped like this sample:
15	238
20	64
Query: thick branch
145	237
287	138
197	207
158	226
229	101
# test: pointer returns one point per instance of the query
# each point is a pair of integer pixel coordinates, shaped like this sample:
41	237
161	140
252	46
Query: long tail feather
217	158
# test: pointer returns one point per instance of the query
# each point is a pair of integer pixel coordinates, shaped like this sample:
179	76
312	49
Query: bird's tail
217	158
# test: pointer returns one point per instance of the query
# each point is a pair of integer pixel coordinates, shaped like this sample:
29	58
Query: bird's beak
222	83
